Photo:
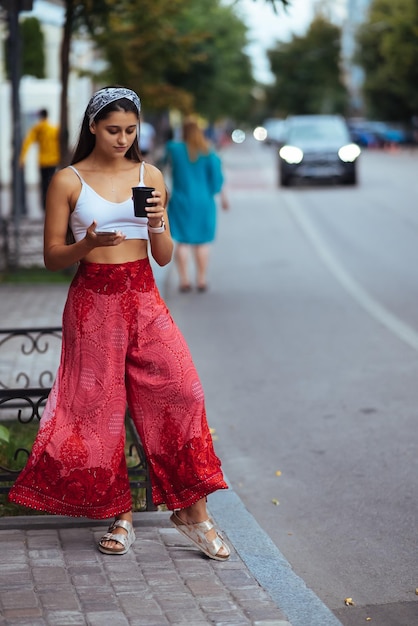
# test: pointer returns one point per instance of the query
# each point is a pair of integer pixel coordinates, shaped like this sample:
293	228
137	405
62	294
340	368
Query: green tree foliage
307	73
275	3
79	16
33	55
179	53
388	52
141	39
217	73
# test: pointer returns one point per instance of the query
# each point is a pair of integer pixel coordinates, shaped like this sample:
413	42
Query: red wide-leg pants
120	346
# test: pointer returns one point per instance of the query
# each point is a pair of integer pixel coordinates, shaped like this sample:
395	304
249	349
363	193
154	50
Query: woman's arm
224	199
161	243
62	194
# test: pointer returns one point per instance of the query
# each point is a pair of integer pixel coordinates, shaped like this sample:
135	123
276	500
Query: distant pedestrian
146	138
196	179
47	137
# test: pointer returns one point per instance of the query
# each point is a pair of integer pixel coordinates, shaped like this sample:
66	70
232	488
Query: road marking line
376	310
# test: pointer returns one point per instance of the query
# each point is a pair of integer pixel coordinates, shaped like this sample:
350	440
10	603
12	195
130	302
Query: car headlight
260	133
291	154
238	135
349	153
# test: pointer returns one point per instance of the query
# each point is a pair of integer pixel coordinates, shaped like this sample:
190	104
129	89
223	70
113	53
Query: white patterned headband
105	96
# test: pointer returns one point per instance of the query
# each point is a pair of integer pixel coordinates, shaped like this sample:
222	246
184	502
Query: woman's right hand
95	240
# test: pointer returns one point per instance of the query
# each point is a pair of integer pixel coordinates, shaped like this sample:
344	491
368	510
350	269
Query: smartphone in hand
100	233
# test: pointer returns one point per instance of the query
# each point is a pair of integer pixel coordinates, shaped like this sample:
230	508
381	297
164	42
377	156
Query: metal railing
23	395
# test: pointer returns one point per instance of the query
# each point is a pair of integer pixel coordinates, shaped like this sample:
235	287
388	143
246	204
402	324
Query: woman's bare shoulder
153	172
65	184
67	176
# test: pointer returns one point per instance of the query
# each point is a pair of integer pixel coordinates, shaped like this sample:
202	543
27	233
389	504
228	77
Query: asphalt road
306	343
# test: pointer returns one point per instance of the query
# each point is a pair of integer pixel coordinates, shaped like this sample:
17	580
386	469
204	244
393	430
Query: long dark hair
87	140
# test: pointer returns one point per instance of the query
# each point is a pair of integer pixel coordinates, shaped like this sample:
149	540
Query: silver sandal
196	533
125	540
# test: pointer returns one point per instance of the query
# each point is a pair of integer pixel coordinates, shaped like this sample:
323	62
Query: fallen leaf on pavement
349	602
278	473
275	502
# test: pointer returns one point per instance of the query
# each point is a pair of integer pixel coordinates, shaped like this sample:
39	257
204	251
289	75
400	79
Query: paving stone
260	613
65	618
48	574
89	580
121	567
13	534
79	569
43	542
177	600
10	579
271	622
193	567
149	620
180	616
17	556
137	605
255	593
21	621
106	618
19	613
49	554
219	604
78	556
242	622
237	578
93	599
22	599
131	586
163	581
183	622
63	600
204	586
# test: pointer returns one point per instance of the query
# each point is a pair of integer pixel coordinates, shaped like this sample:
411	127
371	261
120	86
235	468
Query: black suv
317	146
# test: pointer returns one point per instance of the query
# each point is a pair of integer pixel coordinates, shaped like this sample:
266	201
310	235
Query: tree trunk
65	72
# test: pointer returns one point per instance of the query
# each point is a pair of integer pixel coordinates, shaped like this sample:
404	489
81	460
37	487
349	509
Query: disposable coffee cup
140	195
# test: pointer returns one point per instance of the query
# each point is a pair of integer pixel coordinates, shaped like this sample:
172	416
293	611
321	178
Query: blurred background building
38	93
356	14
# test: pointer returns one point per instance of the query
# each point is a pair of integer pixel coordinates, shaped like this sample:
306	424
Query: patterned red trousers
120	346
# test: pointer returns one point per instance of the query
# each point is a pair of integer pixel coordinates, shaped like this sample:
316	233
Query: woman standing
120	346
196	179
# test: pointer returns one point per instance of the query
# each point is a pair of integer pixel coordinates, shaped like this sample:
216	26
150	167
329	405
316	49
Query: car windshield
319	130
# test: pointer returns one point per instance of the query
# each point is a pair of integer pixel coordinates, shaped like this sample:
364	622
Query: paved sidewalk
53	575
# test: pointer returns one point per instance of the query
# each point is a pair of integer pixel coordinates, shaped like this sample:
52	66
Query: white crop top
108	215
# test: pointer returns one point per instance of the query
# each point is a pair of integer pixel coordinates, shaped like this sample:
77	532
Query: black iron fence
26	376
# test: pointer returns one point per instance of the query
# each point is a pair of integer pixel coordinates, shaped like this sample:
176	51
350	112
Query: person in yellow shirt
47	137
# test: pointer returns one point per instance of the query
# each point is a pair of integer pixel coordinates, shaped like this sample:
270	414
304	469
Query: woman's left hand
156	209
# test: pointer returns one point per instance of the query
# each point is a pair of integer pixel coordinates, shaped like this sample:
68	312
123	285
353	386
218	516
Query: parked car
274	130
317	146
373	134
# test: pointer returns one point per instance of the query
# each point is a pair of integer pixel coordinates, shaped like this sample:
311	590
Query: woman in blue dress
196	179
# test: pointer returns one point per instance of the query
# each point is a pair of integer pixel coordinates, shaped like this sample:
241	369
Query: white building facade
36	94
